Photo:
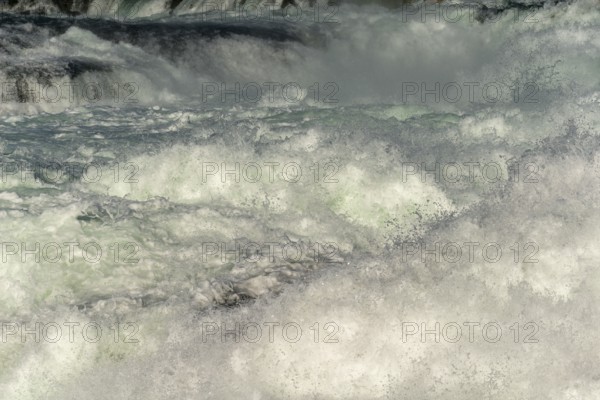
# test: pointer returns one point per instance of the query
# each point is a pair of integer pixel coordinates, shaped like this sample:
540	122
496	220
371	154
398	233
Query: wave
403	128
160	61
133	9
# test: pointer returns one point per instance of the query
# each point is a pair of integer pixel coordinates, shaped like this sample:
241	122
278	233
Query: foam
369	289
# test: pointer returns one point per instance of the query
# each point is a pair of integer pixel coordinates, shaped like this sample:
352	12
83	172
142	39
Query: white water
165	202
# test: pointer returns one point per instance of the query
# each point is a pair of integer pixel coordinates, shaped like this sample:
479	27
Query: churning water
204	200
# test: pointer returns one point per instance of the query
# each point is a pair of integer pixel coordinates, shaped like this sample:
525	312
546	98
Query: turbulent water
219	200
